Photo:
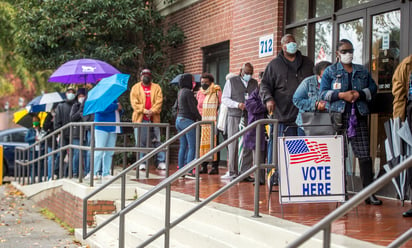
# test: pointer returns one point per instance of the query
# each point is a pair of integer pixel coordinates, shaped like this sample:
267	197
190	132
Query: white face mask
346	58
80	99
70	96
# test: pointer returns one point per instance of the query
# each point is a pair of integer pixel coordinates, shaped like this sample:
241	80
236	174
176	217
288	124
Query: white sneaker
226	176
142	167
87	177
108	177
161	166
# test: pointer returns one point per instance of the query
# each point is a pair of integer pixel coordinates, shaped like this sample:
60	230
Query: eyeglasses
344	51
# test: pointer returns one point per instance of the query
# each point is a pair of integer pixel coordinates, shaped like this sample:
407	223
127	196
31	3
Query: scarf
209	113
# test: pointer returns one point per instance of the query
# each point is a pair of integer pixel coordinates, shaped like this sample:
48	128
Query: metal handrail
22	153
326	222
166	184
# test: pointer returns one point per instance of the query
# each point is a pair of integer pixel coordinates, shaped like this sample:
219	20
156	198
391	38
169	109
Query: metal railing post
257	172
197	184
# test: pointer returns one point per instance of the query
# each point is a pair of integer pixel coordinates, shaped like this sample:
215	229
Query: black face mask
205	86
146	80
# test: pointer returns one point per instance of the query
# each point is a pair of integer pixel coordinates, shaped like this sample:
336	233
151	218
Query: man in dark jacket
280	80
76	115
62	118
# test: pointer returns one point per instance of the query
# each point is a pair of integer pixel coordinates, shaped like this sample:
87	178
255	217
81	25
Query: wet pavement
23	225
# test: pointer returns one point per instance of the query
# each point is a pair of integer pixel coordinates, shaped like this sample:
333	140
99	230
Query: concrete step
216	225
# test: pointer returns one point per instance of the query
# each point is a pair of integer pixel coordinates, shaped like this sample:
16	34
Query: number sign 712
266	46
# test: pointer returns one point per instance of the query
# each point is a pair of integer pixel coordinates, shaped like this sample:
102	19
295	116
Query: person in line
146	99
348	88
256	111
105	136
235	93
187	114
224	130
208	99
280	80
307	95
62	118
76	115
402	102
48	127
33	135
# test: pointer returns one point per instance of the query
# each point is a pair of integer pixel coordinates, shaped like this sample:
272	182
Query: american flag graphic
302	150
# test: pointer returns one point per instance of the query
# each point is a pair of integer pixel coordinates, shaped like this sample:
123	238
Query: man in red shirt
146	99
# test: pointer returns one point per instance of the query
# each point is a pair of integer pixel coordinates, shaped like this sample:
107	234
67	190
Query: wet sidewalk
22	225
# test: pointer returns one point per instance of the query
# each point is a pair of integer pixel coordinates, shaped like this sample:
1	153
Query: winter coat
63	116
280	81
400	87
256	111
138	102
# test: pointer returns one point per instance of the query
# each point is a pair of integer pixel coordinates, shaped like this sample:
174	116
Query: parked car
10	139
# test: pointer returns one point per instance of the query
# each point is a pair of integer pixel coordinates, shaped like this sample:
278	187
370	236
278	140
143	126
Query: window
352	3
323	41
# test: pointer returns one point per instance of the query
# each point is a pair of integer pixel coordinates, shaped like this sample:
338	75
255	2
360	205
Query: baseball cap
146	72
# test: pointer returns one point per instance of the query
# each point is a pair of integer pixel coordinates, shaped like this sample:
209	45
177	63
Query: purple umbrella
353	121
82	71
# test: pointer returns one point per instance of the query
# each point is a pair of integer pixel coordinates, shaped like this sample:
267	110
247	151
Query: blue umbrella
105	92
175	80
44	103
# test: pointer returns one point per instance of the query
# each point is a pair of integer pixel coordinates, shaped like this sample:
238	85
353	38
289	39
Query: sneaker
161	166
87	177
190	175
226	176
96	177
108	177
142	167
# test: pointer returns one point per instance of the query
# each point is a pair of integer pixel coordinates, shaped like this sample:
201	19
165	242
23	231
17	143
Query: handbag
318	123
222	118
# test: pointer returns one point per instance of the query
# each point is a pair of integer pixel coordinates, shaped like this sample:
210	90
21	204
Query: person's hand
241	106
149	113
119	106
347	96
270	105
321	105
355	95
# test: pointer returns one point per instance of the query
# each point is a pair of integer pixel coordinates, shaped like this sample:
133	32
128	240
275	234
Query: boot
365	166
203	170
215	168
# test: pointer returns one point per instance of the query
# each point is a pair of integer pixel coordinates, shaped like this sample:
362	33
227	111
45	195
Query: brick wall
242	22
69	208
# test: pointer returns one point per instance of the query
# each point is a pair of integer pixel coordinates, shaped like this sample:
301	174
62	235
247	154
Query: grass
51	216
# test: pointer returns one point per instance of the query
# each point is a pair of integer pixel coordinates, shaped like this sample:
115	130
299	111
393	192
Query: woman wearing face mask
348	88
33	135
187	114
208	100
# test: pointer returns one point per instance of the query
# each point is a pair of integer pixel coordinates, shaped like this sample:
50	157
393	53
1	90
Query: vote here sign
311	169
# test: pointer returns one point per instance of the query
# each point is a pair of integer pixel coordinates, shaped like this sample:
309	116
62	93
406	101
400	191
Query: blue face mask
246	77
291	47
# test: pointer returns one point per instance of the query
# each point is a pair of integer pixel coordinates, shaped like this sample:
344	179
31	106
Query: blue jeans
187	147
49	164
154	139
104	139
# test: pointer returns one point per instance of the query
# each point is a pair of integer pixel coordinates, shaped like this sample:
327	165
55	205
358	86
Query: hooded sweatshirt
186	101
280	81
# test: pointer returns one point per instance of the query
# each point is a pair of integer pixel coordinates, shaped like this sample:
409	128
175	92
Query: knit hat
81	91
146	72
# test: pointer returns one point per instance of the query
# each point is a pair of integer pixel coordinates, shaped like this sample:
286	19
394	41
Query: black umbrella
175	81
